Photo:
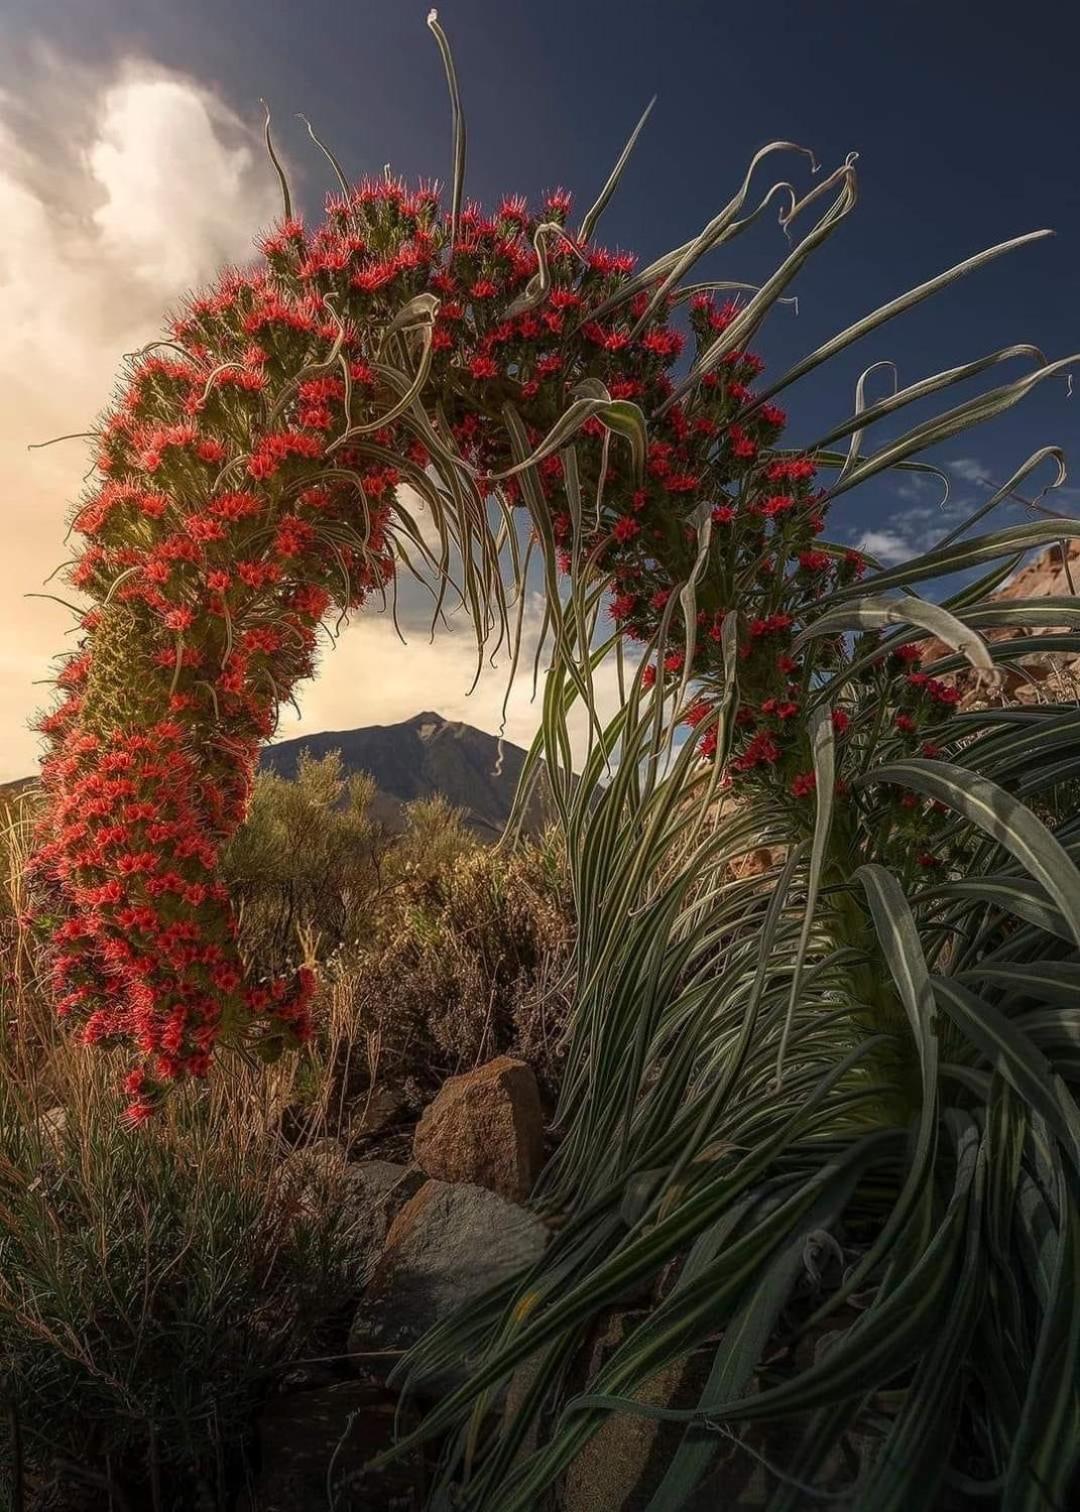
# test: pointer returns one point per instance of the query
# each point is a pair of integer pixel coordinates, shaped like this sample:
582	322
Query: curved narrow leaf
888	311
823	746
588	225
1001	816
875	612
959	557
1012	1053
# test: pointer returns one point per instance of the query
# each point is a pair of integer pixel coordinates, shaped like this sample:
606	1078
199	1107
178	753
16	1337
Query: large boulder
446	1246
621	1466
485	1127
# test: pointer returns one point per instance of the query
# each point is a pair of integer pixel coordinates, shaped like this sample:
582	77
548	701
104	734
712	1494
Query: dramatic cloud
117	194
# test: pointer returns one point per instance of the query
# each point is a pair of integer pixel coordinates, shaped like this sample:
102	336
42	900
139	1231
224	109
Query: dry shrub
471	963
152	1281
435	952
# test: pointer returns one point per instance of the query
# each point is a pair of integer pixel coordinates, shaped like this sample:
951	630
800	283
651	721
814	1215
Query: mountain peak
418	721
418	758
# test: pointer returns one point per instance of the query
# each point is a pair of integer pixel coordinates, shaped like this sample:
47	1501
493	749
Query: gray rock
373	1193
446	1246
364	1197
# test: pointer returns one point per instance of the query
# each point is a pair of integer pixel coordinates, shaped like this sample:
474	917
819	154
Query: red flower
774	505
803	784
623	605
663	343
484	367
762	751
697	713
557	203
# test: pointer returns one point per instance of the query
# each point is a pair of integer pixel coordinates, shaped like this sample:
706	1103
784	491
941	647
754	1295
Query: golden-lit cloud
118	193
370	677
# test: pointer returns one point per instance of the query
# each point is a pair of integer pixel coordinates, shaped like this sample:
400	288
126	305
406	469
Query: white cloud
99	240
917	527
170	179
970	469
888	546
913	487
370	677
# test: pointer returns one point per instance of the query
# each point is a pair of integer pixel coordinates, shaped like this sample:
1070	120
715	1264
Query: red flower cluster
247	489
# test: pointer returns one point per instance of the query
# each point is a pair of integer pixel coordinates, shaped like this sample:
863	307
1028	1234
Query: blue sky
963	116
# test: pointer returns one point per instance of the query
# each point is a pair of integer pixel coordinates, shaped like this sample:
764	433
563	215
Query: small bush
151	1281
471	963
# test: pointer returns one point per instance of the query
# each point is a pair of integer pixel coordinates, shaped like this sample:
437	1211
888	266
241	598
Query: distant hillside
422	756
416	759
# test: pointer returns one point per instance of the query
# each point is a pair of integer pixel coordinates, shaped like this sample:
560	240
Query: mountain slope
421	757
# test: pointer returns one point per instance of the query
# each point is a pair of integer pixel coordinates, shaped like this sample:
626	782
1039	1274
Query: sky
131	167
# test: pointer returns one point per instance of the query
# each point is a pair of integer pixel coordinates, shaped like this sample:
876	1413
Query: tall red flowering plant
249	487
861	1054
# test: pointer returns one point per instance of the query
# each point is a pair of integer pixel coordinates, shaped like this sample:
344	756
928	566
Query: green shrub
471	962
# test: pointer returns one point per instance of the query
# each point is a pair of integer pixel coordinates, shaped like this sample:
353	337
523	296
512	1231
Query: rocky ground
433	1229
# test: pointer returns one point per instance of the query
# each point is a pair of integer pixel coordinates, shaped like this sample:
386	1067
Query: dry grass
151	1283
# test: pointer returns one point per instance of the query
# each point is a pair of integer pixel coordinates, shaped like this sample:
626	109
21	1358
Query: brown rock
485	1127
1052	573
623	1463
